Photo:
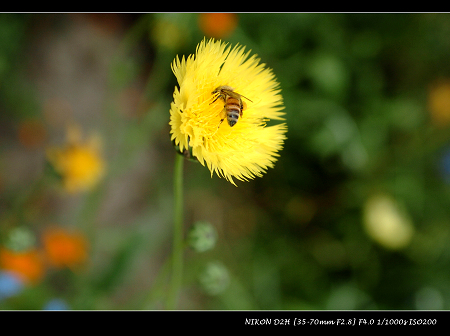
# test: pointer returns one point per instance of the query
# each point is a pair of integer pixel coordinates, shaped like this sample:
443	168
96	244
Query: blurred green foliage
356	91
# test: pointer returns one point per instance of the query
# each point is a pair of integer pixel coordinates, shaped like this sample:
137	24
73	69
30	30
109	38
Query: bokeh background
354	215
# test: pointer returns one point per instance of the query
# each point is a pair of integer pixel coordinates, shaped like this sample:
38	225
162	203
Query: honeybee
234	106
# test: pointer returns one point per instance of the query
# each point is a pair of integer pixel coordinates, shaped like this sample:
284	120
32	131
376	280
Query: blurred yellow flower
246	149
386	223
168	34
78	163
28	265
217	25
63	248
439	103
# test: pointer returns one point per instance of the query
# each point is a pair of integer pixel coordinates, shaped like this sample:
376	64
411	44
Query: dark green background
355	89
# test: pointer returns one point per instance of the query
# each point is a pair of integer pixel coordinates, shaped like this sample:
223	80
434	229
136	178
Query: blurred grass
357	91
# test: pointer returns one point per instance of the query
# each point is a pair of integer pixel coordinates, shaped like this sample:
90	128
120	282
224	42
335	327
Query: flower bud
215	278
202	236
20	239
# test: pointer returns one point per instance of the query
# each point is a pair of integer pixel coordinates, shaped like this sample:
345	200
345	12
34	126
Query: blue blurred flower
10	284
444	165
56	304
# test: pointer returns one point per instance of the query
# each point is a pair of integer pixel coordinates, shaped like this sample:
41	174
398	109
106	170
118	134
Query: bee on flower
219	83
78	163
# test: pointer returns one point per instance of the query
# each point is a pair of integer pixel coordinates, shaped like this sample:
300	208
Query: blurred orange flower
78	163
28	265
218	25
63	248
31	133
439	103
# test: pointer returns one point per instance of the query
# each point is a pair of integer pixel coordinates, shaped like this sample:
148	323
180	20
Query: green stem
177	253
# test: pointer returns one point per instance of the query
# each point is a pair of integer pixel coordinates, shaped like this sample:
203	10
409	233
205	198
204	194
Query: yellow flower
168	34
246	149
439	103
78	163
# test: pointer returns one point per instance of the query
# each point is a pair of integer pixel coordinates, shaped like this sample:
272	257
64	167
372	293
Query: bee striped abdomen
234	110
233	103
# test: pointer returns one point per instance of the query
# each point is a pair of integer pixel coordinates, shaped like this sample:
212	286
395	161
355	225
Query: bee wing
236	95
231	93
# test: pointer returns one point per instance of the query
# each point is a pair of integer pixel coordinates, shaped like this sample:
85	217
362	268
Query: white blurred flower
386	223
215	278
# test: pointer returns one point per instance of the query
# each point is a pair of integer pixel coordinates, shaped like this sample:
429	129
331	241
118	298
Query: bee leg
224	115
221	120
218	96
